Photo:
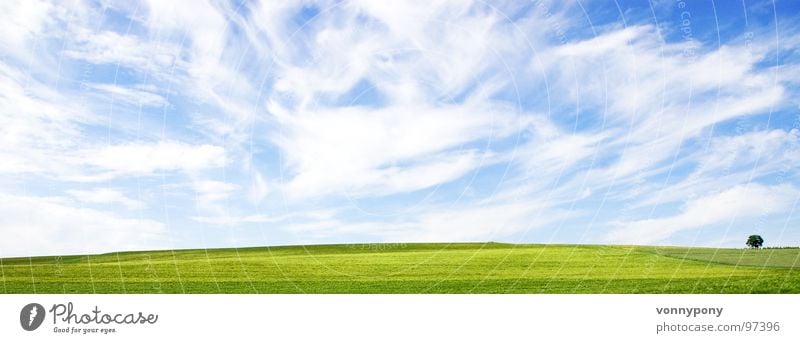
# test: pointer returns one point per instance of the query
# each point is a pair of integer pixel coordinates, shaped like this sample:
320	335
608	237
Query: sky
130	125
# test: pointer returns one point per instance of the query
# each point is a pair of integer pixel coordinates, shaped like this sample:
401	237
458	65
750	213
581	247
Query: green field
413	268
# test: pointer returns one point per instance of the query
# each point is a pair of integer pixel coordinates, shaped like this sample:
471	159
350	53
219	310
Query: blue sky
177	124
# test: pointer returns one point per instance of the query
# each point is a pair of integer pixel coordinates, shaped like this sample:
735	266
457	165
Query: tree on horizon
755	241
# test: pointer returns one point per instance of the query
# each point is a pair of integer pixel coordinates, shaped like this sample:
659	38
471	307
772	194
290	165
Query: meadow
412	268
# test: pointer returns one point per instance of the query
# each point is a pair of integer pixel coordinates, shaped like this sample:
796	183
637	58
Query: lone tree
755	241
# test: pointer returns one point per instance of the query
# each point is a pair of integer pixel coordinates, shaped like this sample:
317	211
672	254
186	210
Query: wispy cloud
147	158
737	202
106	196
131	95
41	226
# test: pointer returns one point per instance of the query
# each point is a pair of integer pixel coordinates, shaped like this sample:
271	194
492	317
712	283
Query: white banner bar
399	318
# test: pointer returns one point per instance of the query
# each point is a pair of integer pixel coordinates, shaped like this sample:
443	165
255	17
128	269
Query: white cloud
637	79
484	222
204	33
384	151
258	188
147	158
317	216
650	100
106	196
600	46
214	200
728	160
37	124
23	21
473	222
741	201
214	190
772	149
152	57
132	95
551	154
50	226
418	58
204	23
235	220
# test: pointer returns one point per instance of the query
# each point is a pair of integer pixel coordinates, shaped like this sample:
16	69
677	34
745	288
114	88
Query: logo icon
31	316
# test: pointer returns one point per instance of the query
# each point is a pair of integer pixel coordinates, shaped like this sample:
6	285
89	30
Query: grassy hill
412	268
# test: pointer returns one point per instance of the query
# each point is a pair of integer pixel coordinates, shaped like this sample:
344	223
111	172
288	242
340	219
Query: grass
413	268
